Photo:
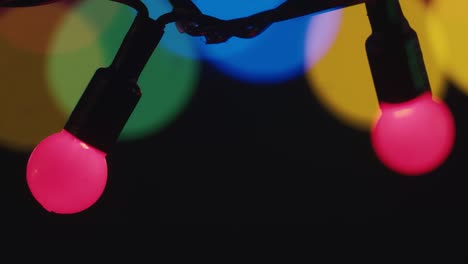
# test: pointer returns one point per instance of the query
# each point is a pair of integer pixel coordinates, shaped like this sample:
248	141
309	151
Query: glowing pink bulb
414	137
65	175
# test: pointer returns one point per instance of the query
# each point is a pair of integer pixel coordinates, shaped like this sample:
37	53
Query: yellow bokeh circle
447	23
29	112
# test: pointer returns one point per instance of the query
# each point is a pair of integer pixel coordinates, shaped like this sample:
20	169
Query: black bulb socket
113	92
103	109
394	54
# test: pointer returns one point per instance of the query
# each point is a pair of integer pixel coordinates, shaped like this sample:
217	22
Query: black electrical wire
190	20
217	30
25	3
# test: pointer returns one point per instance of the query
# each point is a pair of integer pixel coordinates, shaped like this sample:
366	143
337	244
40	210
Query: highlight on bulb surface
66	175
414	137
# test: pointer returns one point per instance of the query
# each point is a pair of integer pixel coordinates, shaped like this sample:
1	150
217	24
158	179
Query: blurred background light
321	34
27	111
42	22
447	22
277	55
167	82
342	81
30	28
266	58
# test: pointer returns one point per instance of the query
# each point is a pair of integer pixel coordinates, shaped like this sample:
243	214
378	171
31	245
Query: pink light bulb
66	175
414	137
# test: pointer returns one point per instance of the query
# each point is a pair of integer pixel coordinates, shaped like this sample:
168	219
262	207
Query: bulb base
103	109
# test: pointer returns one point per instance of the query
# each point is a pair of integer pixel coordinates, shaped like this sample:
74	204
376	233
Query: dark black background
242	154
